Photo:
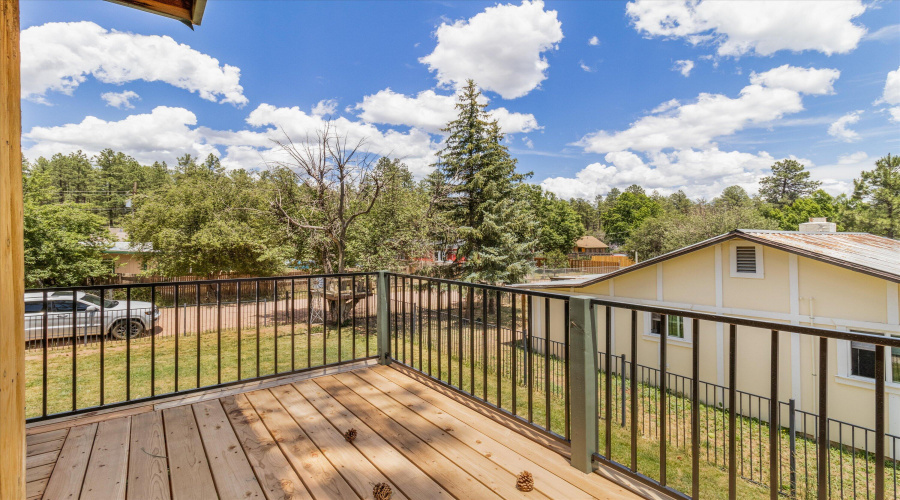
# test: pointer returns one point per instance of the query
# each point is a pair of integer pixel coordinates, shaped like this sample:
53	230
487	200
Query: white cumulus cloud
120	99
891	94
594	41
699	173
804	80
500	48
58	57
431	112
839	129
684	66
698	124
755	27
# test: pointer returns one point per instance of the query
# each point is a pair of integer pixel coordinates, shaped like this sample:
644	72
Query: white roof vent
818	225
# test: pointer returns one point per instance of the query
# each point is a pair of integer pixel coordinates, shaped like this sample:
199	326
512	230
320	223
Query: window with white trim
675	325
746	260
862	360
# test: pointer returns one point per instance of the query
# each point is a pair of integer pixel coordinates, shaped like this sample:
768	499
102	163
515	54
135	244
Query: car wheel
120	329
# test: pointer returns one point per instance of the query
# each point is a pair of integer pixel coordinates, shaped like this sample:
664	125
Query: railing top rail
518	291
84	288
755	323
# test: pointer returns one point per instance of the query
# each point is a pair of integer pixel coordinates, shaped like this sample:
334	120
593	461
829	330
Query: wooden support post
12	266
382	295
583	384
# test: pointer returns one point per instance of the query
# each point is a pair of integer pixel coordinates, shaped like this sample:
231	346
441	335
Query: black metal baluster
275	323
695	411
822	437
484	343
663	419
567	373
608	397
530	360
340	318
368	317
258	333
471	299
353	310
499	347
293	325
218	332
74	351
240	342
430	319
547	363
102	345
403	314
634	393
198	335
774	427
440	342
460	344
177	334
514	354
309	306
879	421
325	312
44	333
152	341
732	415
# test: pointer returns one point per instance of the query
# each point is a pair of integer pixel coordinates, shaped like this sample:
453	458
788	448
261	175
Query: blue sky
669	95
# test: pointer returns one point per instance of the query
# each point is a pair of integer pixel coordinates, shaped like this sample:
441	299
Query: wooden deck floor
286	442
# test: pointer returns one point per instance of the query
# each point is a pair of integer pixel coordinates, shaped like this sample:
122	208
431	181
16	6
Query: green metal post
583	384
384	337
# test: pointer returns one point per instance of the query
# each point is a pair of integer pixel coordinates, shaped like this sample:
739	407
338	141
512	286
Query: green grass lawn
475	376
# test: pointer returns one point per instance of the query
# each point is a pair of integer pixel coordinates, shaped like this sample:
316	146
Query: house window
862	360
675	325
746	260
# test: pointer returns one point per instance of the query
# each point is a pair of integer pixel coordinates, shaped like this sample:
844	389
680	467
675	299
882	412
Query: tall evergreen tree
789	181
483	197
877	194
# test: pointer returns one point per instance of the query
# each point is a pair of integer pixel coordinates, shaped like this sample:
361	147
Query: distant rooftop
862	252
590	242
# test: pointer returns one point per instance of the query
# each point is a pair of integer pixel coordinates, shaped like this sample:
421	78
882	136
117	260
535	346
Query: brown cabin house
589	245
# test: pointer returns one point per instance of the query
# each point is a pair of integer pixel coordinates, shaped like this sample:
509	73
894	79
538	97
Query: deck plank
487	471
317	473
231	471
108	467
66	482
39	472
545	481
188	467
35	489
449	475
356	466
274	472
45	447
42	459
507	434
148	476
33	439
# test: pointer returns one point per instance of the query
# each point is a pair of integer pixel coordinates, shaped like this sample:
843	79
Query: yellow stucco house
815	276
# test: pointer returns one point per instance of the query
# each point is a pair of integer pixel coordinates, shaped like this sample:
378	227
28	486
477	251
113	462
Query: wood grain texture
231	471
317	473
148	477
274	473
188	467
72	464
449	475
107	469
12	263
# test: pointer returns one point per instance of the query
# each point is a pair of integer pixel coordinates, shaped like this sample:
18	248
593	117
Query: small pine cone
350	435
525	481
382	491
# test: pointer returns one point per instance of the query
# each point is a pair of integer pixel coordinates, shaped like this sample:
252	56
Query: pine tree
482	197
877	194
789	181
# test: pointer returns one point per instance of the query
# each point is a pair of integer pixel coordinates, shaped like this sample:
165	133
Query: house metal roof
862	252
590	242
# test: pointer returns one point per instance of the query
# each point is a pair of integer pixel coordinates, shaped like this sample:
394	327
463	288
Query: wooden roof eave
189	16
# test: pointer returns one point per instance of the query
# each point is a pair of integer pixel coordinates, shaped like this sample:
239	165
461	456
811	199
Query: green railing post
583	384
384	335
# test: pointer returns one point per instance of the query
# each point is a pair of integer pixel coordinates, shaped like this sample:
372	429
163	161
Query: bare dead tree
333	182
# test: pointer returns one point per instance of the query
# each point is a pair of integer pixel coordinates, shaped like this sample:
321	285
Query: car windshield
93	299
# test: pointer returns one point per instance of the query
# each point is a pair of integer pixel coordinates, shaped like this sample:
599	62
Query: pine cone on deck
350	435
525	481
382	491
